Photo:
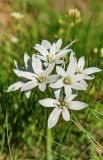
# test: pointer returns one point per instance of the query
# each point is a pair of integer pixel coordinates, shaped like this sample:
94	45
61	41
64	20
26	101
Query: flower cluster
17	15
39	71
74	12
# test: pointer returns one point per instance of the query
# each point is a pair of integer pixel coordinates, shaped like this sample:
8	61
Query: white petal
24	74
84	83
61	54
27	94
57	94
49	69
29	85
78	77
65	114
52	78
76	105
41	49
26	58
86	77
46	64
41	57
42	87
72	54
71	97
78	86
91	70
48	102
15	86
36	64
59	62
57	84
81	63
67	89
72	66
58	45
53	49
54	116
46	44
60	71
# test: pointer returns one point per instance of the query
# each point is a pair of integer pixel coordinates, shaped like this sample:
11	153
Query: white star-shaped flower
69	79
52	53
38	77
19	84
88	71
61	106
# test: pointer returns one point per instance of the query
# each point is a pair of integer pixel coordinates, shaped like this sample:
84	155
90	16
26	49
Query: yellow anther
50	57
63	104
41	77
67	80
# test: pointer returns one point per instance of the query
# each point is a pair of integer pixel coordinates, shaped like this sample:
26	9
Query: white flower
17	15
38	77
14	39
61	106
74	12
69	80
19	84
51	53
87	73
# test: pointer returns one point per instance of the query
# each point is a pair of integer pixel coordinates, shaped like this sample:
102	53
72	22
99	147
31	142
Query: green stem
8	135
49	145
45	131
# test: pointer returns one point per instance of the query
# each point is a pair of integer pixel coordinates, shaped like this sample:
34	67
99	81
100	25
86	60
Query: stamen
50	57
41	78
67	80
63	104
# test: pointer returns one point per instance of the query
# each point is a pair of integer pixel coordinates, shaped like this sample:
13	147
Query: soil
5	10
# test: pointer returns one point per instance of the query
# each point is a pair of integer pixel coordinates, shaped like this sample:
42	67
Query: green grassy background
23	133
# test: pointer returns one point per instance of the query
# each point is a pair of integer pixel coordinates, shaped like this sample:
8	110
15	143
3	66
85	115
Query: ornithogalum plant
48	68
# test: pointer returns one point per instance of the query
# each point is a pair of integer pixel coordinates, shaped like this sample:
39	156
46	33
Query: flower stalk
49	154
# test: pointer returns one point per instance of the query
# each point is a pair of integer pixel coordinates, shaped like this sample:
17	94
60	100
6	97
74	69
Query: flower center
63	104
67	80
41	77
50	57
